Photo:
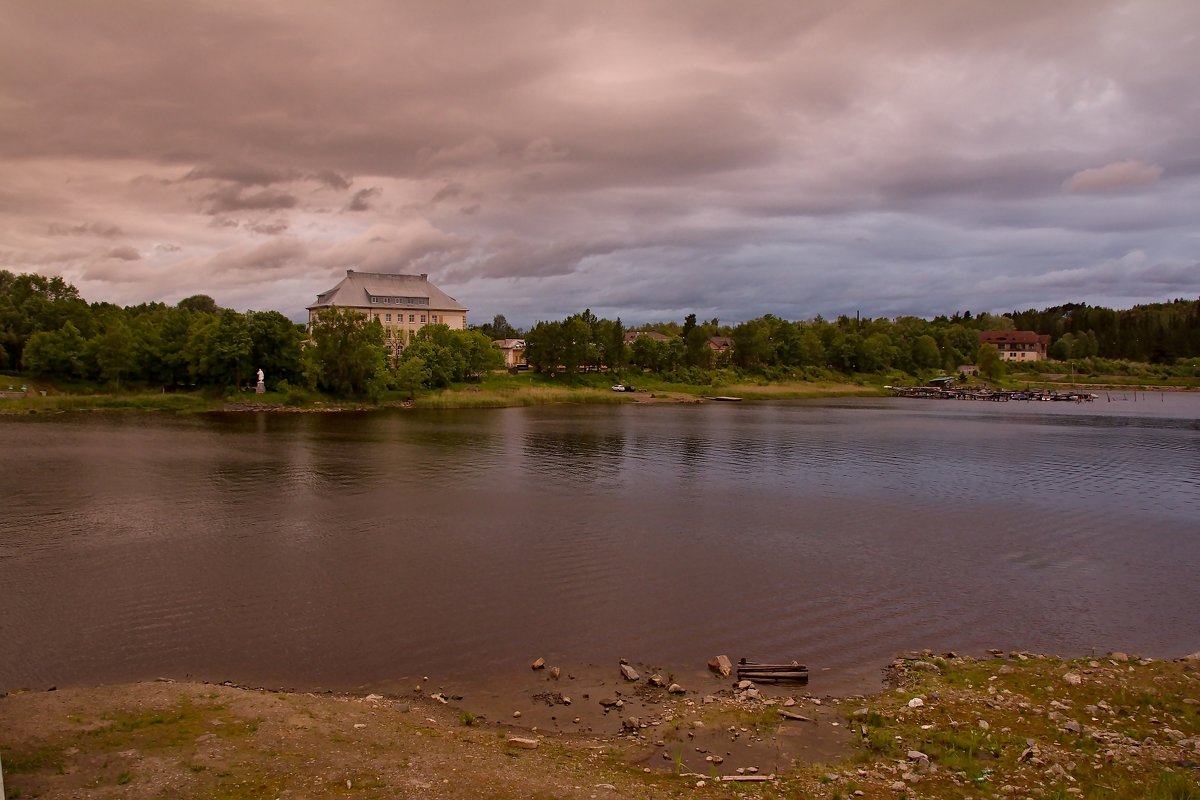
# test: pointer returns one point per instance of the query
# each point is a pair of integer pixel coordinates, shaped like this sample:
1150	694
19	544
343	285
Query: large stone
629	673
1073	678
527	744
721	665
539	663
675	688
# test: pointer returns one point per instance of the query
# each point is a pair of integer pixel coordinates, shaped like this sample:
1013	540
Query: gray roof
405	291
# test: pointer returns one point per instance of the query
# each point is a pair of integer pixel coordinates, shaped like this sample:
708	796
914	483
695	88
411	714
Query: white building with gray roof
402	304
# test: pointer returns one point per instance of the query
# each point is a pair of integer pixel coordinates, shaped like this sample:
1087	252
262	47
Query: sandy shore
945	725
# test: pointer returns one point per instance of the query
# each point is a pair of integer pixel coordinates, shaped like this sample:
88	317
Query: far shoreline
504	395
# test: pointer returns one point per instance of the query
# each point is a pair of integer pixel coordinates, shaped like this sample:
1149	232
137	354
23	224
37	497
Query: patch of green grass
166	728
38	757
176	402
883	742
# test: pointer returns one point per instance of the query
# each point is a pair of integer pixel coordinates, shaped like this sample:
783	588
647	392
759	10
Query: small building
720	344
403	304
1017	345
514	352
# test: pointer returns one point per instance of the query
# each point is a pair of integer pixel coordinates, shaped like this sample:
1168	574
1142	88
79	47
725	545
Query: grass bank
496	390
1017	725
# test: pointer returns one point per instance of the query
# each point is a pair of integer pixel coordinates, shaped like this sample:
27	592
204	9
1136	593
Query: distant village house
514	352
403	304
1017	345
720	344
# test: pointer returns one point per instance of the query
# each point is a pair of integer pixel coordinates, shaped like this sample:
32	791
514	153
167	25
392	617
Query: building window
422	318
433	318
412	317
389	317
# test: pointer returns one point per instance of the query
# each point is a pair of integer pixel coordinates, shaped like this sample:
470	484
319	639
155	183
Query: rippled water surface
348	550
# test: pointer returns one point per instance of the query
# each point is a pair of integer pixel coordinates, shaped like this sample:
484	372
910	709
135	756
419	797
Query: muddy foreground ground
1005	725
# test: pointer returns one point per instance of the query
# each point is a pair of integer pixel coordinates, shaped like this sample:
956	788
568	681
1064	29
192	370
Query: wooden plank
773	675
744	664
793	715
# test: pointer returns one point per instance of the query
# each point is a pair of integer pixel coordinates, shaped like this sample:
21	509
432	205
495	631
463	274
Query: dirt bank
1008	725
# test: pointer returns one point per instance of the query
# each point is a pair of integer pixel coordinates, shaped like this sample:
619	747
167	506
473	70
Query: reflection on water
342	550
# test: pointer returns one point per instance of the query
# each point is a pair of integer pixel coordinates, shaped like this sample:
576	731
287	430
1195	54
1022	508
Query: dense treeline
47	330
1159	334
768	345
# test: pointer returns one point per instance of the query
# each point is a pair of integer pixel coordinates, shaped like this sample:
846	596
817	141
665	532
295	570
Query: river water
351	550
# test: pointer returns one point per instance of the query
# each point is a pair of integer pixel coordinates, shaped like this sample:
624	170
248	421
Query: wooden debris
772	673
795	716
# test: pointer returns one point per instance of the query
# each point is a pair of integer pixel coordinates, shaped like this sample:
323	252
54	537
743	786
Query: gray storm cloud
648	160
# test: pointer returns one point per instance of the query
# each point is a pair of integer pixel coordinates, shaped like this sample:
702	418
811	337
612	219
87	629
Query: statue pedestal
261	388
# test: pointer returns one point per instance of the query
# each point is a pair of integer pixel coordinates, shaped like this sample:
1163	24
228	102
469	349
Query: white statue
260	376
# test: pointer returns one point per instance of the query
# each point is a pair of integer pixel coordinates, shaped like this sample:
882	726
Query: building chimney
349	272
424	276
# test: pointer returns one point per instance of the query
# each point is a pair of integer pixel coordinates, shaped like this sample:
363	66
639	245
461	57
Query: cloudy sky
645	159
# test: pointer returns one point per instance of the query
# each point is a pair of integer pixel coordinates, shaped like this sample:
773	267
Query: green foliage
219	350
59	353
49	331
346	357
579	341
411	374
990	364
115	349
275	346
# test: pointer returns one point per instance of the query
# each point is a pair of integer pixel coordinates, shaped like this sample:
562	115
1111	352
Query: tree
33	303
695	342
219	348
347	356
990	364
1061	349
609	338
59	354
275	346
200	303
410	375
499	328
811	351
876	353
925	353
544	348
116	355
